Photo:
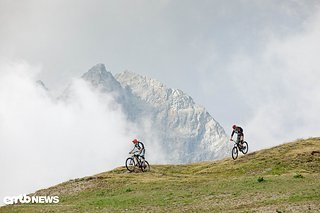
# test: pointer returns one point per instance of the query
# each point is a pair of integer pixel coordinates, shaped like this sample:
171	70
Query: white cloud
281	87
44	141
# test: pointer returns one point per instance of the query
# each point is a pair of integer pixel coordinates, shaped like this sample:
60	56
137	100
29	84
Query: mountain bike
238	147
135	161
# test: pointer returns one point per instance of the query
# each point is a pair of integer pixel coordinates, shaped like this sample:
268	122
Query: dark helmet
135	141
234	126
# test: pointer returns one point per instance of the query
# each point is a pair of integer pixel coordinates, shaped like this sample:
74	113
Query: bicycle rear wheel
130	164
245	148
145	167
234	153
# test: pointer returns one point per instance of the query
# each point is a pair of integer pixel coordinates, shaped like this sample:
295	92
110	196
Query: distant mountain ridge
186	131
189	129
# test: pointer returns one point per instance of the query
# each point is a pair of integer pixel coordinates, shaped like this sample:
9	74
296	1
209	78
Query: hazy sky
248	62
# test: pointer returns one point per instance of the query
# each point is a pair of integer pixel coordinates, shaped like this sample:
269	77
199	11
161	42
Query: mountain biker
240	136
138	150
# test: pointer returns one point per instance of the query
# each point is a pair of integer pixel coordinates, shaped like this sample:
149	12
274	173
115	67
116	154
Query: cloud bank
44	141
280	86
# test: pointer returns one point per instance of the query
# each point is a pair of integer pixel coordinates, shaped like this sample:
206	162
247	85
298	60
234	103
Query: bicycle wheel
146	167
245	147
130	164
234	153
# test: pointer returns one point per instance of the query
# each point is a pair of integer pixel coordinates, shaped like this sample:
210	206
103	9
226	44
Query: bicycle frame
236	143
136	159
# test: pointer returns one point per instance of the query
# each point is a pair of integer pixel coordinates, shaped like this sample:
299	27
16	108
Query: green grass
284	178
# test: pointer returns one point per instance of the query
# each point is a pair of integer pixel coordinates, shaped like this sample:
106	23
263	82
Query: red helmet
135	141
234	126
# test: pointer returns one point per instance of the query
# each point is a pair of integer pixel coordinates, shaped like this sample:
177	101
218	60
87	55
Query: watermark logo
30	199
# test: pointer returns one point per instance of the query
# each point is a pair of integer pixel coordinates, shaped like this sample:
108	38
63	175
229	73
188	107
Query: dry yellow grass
284	178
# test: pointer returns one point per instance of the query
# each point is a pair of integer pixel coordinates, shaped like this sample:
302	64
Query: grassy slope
290	172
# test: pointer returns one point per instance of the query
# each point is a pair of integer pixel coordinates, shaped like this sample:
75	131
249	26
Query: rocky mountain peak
183	128
98	76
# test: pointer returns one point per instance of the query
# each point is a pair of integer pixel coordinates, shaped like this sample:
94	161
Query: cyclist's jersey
238	130
139	149
139	146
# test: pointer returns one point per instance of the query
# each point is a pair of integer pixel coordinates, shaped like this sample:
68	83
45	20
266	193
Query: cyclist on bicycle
240	136
138	150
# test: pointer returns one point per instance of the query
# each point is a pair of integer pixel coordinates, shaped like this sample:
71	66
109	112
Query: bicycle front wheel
234	153
130	164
